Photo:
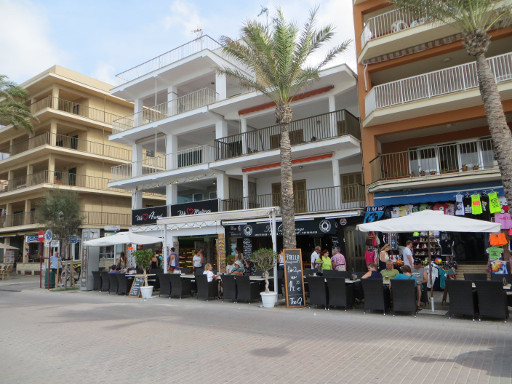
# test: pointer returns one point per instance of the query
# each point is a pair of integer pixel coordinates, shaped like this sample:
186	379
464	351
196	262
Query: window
299	193
296	137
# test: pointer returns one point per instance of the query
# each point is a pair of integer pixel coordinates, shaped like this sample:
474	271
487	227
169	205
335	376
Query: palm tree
474	18
277	56
13	110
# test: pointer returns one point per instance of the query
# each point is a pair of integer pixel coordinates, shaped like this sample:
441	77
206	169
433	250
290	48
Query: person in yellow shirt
324	260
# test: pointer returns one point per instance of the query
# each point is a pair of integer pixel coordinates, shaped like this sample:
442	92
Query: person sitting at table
114	269
372	272
208	271
229	265
324	260
390	272
237	269
405	275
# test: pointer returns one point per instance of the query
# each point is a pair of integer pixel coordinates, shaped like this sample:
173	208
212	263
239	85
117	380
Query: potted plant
264	259
433	172
464	167
143	259
422	173
475	167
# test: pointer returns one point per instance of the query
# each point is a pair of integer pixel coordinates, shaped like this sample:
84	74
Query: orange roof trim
294	98
296	161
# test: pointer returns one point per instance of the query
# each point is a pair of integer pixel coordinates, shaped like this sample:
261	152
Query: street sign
112	228
40	236
55	243
48	235
73	239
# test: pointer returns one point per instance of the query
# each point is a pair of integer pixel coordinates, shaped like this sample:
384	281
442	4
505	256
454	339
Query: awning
219	217
434	195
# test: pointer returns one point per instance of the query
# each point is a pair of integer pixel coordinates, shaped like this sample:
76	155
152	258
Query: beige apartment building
69	150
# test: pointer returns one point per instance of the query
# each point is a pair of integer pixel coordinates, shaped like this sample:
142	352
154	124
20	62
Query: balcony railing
350	196
58	178
68	142
174	55
106	218
390	22
17	219
307	130
151	165
74	108
88	218
186	103
437	83
472	157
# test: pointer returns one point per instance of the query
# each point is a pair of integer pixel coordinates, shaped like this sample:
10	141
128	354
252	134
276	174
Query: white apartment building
211	146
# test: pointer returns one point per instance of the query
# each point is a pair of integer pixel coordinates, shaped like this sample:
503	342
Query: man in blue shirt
55	266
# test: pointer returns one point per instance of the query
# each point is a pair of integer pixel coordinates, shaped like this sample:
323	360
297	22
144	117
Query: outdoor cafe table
192	277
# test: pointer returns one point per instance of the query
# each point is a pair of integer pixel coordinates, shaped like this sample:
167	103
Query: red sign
40	236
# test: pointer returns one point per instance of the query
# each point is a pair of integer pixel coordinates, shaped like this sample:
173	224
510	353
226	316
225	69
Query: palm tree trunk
287	199
500	132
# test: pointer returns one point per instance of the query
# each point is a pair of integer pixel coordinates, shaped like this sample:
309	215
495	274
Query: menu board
135	289
293	278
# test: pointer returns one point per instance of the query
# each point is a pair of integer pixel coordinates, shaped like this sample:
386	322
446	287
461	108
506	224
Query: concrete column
171	194
221	129
137	110
222	186
8	213
51	170
172	95
336	183
53	133
245	188
171	145
243	130
332	121
55	97
30	172
28	207
136	199
137	160
220	86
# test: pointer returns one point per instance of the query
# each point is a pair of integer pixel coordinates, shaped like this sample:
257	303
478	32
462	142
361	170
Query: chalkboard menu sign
293	278
135	289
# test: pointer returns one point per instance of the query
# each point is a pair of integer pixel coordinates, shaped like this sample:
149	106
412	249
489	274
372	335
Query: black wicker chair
376	296
500	277
180	287
463	300
358	274
186	270
492	300
246	290
164	280
206	290
122	284
112	277
475	276
198	271
229	287
105	281
339	293
331	273
308	272
317	291
96	285
403	293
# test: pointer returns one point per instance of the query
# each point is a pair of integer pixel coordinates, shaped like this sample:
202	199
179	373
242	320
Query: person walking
315	255
174	261
408	255
338	260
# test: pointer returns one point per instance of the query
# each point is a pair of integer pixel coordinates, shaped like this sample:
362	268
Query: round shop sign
325	226
343	221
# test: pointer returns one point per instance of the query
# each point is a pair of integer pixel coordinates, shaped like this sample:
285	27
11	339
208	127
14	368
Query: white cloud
105	72
184	18
24	41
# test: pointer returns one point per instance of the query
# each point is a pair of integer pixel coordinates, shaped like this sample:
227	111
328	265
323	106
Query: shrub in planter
143	259
264	259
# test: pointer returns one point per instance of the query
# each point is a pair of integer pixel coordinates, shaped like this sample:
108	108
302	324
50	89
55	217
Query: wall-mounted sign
373	213
315	227
148	215
32	239
195	208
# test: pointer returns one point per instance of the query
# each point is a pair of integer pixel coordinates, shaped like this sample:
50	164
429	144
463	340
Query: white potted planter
146	292
269	299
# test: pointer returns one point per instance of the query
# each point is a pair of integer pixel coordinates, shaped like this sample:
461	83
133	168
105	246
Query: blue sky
101	38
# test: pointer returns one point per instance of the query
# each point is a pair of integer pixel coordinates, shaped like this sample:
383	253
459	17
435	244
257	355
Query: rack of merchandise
186	255
420	245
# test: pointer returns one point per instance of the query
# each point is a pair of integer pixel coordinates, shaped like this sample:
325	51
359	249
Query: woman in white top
198	259
384	256
208	272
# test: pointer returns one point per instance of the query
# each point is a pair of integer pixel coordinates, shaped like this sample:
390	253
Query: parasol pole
430	272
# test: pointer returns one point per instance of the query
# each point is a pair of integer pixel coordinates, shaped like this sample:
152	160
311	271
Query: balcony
174	55
67	142
152	165
351	196
73	108
186	103
88	218
60	179
17	219
470	158
429	86
307	130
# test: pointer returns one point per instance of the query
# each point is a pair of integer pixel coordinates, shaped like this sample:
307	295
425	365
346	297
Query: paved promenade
90	337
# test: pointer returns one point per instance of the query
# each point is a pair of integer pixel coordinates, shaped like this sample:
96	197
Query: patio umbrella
123	238
5	246
427	221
